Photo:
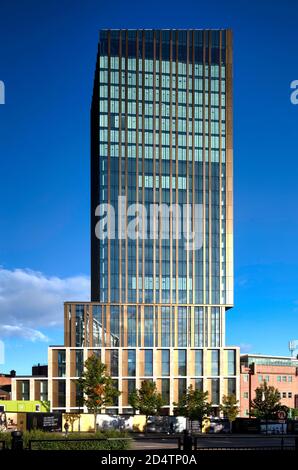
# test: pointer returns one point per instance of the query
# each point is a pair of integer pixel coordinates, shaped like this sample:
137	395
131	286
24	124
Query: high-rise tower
161	162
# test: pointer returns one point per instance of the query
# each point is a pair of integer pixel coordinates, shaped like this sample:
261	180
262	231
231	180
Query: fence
220	442
182	443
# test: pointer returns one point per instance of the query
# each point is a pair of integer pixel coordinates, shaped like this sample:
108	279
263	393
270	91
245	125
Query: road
222	441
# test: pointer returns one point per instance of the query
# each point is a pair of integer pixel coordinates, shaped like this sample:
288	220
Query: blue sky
47	59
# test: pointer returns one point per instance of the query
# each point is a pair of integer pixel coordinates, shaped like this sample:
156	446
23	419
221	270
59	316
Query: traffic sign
282	415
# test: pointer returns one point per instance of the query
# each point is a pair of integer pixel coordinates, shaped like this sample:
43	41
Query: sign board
44	421
282	416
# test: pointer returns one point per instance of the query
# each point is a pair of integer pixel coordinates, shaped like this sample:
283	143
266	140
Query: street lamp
263	400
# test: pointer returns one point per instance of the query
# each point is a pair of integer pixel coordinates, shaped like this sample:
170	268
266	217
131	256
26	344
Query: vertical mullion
194	300
220	183
137	161
171	175
187	169
120	163
154	165
126	163
210	170
160	165
143	160
177	168
109	166
204	173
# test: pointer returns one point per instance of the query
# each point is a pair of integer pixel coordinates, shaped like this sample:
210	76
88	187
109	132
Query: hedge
69	443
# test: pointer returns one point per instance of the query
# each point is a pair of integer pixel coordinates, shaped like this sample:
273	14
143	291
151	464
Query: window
148	369
199	362
148	327
182	362
43	390
231	362
245	395
165	390
61	363
215	322
267	378
114	362
279	378
284	394
198	325
260	378
231	386
289	394
131	369
165	326
181	388
97	325
80	325
165	362
131	326
199	384
284	378
79	395
245	377
79	363
246	413
215	362
61	393
215	391
182	326
290	378
114	325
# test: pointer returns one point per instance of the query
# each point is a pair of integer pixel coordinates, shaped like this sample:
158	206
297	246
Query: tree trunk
95	416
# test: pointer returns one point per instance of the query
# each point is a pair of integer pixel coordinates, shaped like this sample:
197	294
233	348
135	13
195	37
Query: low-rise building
279	371
5	385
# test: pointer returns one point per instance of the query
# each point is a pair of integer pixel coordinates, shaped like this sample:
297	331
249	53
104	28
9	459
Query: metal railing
234	442
202	442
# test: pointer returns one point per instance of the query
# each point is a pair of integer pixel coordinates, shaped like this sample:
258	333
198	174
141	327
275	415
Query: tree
194	405
266	403
97	387
230	408
147	400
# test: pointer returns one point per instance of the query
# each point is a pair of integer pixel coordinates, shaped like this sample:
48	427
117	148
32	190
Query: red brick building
279	371
5	385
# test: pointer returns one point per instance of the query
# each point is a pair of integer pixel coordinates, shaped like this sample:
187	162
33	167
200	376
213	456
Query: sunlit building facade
161	136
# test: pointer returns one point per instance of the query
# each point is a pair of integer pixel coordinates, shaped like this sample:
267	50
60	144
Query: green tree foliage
230	408
194	405
267	403
97	386
147	400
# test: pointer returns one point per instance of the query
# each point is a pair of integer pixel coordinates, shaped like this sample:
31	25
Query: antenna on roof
293	346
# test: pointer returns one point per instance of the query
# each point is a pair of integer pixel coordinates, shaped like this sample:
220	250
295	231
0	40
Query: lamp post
263	400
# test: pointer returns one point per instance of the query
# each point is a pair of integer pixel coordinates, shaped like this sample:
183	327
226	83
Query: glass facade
162	136
148	368
142	325
61	363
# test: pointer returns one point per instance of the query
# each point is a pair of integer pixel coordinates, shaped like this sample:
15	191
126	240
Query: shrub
70	443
